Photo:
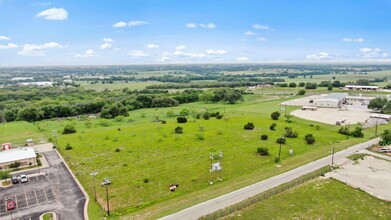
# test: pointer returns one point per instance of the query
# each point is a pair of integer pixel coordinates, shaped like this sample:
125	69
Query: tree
275	115
263	151
301	84
292	85
232	96
29	114
249	126
273	127
281	140
309	138
69	129
301	92
68	147
385	138
310	85
344	130
378	104
264	137
290	133
4	175
184	112
330	88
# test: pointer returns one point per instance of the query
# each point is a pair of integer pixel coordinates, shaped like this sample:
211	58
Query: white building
42	84
25	155
332	100
363	88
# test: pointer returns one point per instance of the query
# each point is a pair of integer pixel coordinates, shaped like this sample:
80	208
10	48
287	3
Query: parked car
14	180
10	204
23	178
106	181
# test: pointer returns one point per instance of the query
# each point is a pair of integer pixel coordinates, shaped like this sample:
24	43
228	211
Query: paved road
234	197
56	191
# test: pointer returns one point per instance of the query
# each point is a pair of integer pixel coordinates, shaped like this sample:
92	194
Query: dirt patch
370	174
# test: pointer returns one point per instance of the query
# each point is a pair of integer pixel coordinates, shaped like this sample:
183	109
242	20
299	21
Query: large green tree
379	104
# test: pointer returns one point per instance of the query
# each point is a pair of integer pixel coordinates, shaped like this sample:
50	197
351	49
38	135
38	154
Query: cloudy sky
77	32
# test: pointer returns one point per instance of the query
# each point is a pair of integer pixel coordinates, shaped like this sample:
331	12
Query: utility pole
279	152
107	199
347	133
93	174
377	121
332	159
54	134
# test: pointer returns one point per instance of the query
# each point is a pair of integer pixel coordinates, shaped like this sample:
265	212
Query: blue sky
182	31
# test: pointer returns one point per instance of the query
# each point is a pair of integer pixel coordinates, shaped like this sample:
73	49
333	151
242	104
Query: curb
85	213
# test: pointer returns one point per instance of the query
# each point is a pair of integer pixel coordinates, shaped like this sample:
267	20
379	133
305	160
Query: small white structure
25	155
363	88
41	84
332	100
380	116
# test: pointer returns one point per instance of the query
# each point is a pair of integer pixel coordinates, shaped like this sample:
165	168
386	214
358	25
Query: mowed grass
117	85
319	199
151	156
18	132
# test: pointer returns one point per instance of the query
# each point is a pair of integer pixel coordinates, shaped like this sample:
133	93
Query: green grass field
151	156
18	132
318	199
116	85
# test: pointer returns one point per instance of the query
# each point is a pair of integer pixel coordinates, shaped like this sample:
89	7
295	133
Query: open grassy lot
18	132
116	85
319	199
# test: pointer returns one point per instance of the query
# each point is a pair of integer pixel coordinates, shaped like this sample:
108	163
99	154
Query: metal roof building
24	155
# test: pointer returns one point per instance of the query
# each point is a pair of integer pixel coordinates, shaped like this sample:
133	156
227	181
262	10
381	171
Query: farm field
116	85
143	157
318	199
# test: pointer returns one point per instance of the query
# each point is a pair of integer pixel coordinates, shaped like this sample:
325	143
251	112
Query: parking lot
51	189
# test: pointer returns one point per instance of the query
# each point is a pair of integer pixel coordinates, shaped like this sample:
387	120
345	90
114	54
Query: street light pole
332	159
93	174
279	152
107	200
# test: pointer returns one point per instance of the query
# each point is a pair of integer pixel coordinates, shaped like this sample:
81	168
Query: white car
23	178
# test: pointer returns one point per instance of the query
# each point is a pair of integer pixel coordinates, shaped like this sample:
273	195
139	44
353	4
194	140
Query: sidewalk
365	151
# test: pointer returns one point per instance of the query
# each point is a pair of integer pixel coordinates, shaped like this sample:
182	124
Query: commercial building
332	100
24	155
361	88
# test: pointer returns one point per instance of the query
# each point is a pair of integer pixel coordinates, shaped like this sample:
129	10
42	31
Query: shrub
219	116
310	85
264	137
357	132
290	133
181	119
344	130
301	92
68	147
292	85
385	138
200	136
263	151
146	180
15	164
276	159
273	127
178	130
309	138
275	115
170	114
281	140
184	112
206	115
117	150
69	129
249	126
163	121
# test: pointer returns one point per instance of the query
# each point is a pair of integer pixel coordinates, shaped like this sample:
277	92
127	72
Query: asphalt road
55	192
210	206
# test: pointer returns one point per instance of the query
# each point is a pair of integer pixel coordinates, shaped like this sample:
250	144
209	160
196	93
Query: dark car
11	204
14	180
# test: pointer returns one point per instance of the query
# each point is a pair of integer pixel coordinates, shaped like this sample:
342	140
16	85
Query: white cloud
208	26
180	47
216	52
137	53
262	39
262	27
137	23
8	46
35	50
372	53
120	24
87	53
108	40
53	14
242	59
250	33
357	40
105	46
152	46
164	58
191	25
319	56
186	54
5	38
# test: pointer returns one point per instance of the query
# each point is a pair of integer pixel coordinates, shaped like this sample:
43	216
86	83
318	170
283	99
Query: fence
264	195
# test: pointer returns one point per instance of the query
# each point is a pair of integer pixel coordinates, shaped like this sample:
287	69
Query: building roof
367	87
332	96
17	154
326	100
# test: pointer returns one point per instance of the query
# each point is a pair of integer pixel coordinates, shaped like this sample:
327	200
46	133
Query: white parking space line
36	196
45	195
25	196
16	202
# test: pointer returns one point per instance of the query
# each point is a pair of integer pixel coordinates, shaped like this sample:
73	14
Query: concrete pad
371	175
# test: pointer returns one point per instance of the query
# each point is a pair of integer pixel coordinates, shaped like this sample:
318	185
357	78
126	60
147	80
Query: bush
275	115
68	147
264	137
69	129
385	138
200	136
281	140
178	130
263	151
117	150
344	130
301	92
249	126
15	164
184	112
163	121
219	116
301	84
310	85
181	119
309	138
206	115
277	160
292	85
290	133
273	127
357	132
